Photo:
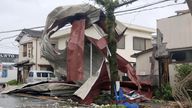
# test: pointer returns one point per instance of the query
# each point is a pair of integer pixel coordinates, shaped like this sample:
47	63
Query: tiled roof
31	33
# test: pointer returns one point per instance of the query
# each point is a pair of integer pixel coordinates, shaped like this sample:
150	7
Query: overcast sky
19	14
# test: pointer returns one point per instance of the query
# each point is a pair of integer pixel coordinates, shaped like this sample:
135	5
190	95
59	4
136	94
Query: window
44	74
24	50
121	43
181	56
141	44
29	53
29	47
30	74
38	74
4	73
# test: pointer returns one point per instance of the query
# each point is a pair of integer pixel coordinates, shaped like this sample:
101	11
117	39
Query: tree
110	6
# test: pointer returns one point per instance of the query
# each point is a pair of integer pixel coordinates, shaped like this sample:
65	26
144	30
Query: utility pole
110	6
189	3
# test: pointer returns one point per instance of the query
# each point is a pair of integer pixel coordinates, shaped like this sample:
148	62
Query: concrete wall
143	65
176	31
172	74
62	42
143	68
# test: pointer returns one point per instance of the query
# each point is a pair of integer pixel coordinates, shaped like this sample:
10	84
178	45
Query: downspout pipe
36	54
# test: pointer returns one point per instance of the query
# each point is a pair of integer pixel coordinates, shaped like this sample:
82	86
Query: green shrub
183	70
12	82
164	93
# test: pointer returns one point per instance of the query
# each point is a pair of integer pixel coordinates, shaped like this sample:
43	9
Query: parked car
37	76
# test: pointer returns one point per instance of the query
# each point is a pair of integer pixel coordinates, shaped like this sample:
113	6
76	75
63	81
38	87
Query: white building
177	32
136	39
7	71
143	66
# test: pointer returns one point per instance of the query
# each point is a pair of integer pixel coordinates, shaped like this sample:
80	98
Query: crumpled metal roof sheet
72	56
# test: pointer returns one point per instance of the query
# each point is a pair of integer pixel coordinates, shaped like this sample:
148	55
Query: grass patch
13	82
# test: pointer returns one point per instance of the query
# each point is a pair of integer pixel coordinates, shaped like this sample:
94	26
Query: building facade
135	39
29	53
144	68
177	32
7	71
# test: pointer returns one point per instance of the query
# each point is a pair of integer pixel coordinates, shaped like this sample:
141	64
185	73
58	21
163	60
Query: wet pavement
11	101
29	101
16	101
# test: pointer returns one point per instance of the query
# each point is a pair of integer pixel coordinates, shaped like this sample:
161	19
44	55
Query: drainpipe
36	55
160	73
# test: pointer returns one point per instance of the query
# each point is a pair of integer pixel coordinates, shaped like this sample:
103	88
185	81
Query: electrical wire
116	13
8	37
144	6
9	31
149	9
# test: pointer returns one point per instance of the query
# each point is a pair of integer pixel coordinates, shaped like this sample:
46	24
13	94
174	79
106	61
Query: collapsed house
84	60
74	60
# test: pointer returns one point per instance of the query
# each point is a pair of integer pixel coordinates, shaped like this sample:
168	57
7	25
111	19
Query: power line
16	30
149	9
140	7
8	37
9	31
144	6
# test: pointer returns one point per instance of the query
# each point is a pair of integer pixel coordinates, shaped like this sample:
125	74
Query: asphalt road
11	101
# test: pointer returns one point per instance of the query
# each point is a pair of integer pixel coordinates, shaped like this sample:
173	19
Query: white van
37	76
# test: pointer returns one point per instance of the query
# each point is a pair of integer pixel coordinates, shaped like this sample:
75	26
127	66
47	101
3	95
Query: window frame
24	50
145	42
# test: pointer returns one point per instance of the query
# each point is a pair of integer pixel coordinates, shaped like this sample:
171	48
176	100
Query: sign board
5	57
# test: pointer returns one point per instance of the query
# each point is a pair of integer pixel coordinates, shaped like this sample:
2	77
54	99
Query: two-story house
136	39
29	53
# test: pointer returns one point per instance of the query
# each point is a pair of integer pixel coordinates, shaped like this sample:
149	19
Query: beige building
177	32
136	39
29	53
